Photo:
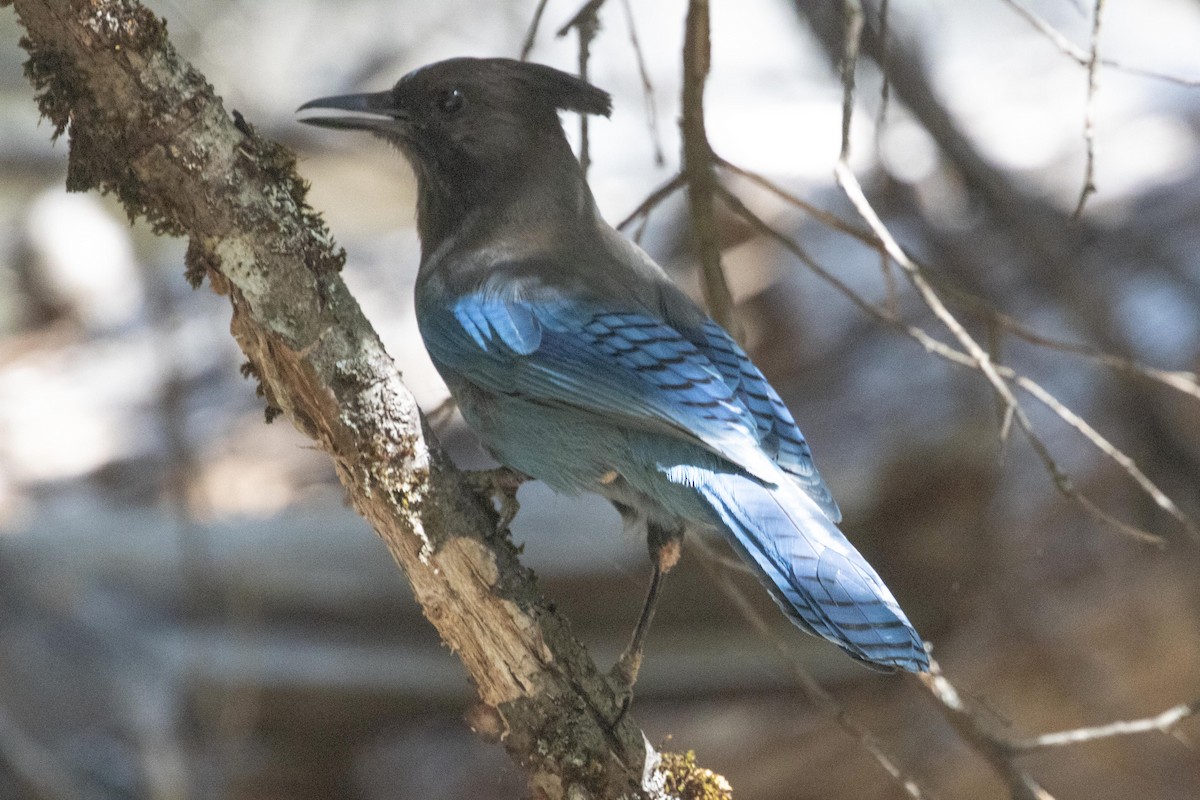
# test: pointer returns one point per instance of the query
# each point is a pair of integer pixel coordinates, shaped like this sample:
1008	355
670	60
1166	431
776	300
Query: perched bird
578	362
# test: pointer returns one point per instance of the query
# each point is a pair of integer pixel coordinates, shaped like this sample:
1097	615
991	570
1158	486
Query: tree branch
1089	111
146	127
698	167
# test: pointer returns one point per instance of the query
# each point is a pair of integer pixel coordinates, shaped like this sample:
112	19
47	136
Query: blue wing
778	434
629	366
695	384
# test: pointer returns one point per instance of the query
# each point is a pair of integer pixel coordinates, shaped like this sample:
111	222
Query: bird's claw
499	484
622	677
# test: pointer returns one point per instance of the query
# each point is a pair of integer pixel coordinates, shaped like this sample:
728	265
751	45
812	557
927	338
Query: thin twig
1181	381
647	86
982	361
586	23
1011	411
653	200
1000	745
974	729
587	32
587	11
1109	449
1081	56
1004	412
742	210
718	568
850	185
827	218
1163	723
852	188
1089	111
1185	382
531	33
885	88
850	44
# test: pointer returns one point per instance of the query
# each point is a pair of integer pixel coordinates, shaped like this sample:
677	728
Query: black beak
382	107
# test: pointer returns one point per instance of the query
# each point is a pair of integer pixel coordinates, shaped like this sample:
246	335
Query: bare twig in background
974	728
756	222
698	168
1081	56
854	192
719	568
1055	255
853	15
849	183
826	218
1185	382
1060	478
1109	449
531	33
586	12
979	357
1042	236
647	86
586	24
995	748
885	86
969	724
972	349
1001	749
1089	110
1165	723
653	200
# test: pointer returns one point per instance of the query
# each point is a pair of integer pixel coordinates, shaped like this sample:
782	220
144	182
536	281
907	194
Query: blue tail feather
813	572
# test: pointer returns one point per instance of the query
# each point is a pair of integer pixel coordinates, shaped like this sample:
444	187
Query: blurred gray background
189	610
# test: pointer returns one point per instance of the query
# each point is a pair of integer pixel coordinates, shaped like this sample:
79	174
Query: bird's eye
451	100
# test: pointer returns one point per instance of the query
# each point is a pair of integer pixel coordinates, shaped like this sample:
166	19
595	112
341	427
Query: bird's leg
666	545
499	484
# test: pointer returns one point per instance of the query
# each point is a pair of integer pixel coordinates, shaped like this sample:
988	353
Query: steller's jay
578	362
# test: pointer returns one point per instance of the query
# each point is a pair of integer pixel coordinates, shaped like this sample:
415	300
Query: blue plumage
576	390
577	361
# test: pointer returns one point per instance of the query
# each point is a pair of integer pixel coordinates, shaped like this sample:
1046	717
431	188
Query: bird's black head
471	126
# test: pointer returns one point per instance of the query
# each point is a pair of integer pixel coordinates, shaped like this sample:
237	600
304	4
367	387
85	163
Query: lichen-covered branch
147	128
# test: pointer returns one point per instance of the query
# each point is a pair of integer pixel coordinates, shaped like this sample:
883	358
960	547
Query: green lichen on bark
686	780
105	137
56	85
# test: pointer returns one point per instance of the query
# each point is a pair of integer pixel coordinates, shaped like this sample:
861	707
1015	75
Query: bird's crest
557	88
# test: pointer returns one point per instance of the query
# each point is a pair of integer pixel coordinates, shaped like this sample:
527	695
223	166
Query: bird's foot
499	484
623	676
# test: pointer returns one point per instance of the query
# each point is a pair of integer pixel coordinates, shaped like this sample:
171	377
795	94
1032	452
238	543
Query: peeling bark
146	127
